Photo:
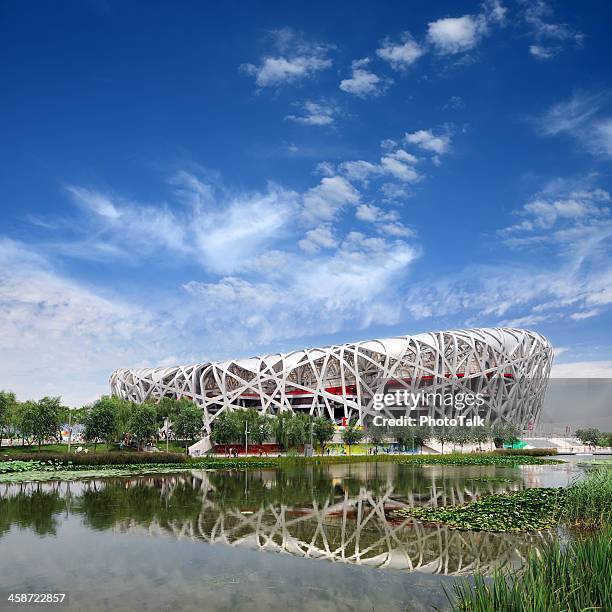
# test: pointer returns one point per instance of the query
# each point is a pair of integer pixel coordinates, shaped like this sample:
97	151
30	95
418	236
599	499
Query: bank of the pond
131	462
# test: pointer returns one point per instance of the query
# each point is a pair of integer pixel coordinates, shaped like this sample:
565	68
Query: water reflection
337	513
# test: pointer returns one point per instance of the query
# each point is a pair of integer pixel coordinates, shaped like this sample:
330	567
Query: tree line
110	420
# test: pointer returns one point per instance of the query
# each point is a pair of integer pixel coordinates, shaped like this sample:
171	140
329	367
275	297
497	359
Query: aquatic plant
575	577
517	511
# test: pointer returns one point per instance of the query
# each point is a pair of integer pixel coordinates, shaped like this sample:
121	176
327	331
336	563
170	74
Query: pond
298	538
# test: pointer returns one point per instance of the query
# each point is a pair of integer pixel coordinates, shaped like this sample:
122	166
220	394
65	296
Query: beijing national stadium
508	367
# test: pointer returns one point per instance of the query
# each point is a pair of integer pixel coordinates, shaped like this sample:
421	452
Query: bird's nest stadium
508	367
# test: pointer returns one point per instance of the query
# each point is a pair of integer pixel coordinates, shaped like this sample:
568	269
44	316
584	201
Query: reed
588	502
575	578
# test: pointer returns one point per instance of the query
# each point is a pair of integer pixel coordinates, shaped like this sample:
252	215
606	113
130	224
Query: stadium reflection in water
337	513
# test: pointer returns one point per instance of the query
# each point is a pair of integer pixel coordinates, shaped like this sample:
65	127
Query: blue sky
189	182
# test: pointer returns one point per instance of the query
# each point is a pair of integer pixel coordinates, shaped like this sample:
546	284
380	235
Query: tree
443	435
376	433
405	435
461	435
143	423
187	422
261	428
7	402
351	435
421	436
41	420
590	436
101	421
323	431
280	429
124	409
225	429
298	429
481	435
505	433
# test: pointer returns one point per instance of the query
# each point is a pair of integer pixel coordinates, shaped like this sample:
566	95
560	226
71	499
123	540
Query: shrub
526	452
111	458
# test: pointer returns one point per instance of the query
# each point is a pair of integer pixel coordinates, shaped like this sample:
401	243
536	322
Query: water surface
303	538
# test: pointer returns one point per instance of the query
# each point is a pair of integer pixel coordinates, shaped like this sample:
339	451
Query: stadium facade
508	367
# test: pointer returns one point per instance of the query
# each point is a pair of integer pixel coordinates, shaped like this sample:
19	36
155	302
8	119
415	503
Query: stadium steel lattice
509	367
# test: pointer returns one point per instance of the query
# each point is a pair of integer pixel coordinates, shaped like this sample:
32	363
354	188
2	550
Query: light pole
246	438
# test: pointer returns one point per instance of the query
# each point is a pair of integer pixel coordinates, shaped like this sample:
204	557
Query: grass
588	503
575	578
517	511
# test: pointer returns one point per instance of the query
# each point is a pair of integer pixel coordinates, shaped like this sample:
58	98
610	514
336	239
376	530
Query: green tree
481	435
143	423
261	428
323	431
421	435
443	435
351	434
225	429
42	419
101	421
404	435
280	428
298	430
7	403
187	422
124	409
376	434
461	435
590	436
505	433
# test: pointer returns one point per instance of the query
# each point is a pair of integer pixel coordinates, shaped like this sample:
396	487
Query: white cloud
385	221
373	214
584	314
321	237
353	284
585	117
602	137
460	34
402	54
571	114
542	52
60	337
536	16
576	283
298	60
393	192
364	83
315	113
456	34
212	233
425	139
399	165
328	198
